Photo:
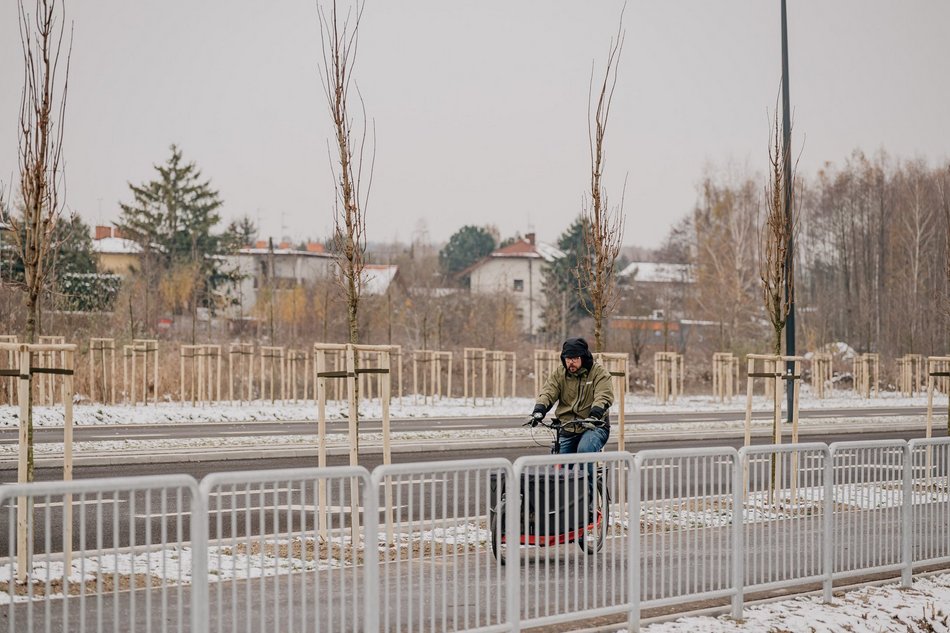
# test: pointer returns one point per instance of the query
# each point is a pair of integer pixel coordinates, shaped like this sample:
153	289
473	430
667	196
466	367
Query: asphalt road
272	428
199	469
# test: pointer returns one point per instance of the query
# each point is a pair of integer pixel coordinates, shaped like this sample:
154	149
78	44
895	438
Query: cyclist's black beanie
577	348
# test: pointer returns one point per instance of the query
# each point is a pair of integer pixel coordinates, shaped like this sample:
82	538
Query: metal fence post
370	495
907	519
828	528
200	619
513	546
633	569
738	520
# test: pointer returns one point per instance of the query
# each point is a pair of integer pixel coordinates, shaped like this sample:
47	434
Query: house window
519	285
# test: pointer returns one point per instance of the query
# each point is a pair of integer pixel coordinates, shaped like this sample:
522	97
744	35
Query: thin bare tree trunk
42	111
603	231
778	289
339	37
777	240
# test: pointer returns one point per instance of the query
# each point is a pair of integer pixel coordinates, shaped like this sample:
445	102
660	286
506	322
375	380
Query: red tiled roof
521	247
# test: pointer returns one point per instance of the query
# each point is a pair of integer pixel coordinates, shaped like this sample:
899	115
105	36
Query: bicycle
568	487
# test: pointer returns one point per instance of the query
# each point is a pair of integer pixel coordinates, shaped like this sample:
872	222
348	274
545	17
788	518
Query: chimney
103	232
530	238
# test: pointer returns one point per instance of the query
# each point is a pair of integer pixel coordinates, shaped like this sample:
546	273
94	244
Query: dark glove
538	414
597	413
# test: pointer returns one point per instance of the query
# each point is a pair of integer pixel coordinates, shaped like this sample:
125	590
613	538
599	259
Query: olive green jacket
576	394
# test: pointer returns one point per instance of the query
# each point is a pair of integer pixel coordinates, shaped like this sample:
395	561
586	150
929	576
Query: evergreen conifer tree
173	219
566	295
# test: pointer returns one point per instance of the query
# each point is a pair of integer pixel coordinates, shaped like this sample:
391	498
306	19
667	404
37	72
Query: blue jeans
590	441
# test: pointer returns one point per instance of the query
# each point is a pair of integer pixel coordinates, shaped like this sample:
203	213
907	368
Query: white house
516	269
293	267
377	278
285	265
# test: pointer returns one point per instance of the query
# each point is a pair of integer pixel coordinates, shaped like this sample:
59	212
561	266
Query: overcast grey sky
480	106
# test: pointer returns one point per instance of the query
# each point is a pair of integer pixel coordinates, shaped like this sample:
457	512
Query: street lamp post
789	185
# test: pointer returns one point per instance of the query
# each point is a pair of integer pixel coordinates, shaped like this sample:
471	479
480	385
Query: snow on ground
925	608
409	407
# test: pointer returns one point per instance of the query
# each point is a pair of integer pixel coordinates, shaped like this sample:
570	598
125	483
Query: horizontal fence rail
468	546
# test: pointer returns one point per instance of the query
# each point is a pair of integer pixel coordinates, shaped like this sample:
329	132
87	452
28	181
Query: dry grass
97	584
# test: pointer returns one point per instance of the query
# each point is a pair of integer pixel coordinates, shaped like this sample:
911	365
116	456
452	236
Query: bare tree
946	213
604	226
339	38
943	186
916	229
42	112
724	257
777	238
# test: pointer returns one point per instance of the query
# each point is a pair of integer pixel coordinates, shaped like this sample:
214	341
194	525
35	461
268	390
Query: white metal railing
867	503
929	511
408	547
283	541
433	534
786	516
591	573
687	536
131	556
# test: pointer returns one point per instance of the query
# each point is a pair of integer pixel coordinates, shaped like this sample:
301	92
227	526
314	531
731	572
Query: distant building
377	278
662	289
284	266
516	269
655	273
114	253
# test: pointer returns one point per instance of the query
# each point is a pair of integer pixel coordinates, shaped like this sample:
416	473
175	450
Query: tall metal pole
789	185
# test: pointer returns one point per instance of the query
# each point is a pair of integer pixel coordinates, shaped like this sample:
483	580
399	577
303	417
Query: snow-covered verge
409	407
174	413
441	437
925	608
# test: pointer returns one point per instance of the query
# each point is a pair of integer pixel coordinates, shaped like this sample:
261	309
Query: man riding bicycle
582	390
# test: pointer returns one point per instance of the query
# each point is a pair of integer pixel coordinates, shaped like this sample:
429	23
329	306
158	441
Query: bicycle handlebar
555	424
